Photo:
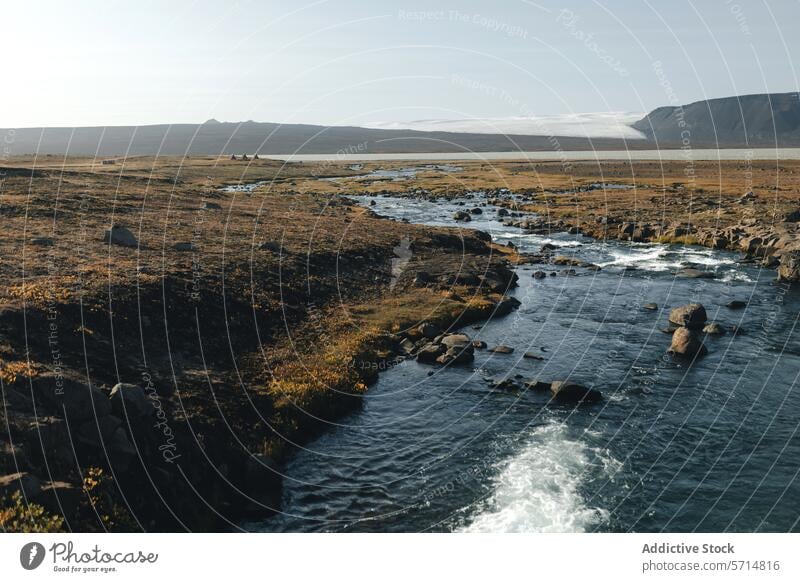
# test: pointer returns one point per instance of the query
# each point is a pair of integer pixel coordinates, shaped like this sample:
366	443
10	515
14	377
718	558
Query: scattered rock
713	329
539	274
476	210
429	353
270	246
462	216
507	305
121	236
789	267
687	343
457	355
571	393
691	273
42	241
429	330
538	386
505	384
501	349
211	206
692	316
455	340
130	401
406	346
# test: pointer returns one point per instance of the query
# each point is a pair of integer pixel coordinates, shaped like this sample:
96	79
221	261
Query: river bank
157	374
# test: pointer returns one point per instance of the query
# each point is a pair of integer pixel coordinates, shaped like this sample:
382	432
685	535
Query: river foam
538	489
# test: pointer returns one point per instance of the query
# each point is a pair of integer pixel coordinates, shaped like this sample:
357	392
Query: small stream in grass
711	447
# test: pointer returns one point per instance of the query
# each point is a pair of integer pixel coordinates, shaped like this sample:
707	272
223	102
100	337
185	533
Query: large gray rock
429	330
687	343
455	340
121	236
130	401
429	353
572	393
457	355
692	316
789	267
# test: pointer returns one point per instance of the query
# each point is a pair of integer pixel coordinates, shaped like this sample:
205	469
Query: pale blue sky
342	61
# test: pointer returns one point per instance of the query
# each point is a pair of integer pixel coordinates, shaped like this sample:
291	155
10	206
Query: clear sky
109	62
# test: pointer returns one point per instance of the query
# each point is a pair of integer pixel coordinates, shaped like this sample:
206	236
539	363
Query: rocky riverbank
157	373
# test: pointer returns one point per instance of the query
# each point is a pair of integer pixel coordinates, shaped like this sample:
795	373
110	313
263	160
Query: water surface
712	447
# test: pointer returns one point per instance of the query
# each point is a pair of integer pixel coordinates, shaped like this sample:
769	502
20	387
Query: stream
708	447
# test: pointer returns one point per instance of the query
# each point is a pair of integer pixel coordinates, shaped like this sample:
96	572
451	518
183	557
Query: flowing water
708	447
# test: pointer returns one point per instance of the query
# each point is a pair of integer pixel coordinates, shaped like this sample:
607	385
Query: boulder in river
457	355
736	304
455	340
429	353
713	328
691	273
539	274
462	216
571	393
501	349
507	305
687	343
789	267
692	316
650	307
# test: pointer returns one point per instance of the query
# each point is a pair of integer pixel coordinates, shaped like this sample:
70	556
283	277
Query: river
708	447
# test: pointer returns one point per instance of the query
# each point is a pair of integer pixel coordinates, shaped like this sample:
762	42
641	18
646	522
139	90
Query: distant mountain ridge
225	138
763	120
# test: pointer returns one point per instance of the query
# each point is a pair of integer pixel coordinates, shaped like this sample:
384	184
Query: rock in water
736	304
789	267
692	316
501	349
121	236
429	353
690	273
571	393
650	306
462	216
687	343
713	329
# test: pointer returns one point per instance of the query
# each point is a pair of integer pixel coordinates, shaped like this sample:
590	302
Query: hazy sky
342	61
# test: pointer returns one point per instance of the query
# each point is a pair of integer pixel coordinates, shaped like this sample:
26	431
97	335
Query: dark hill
750	120
213	137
